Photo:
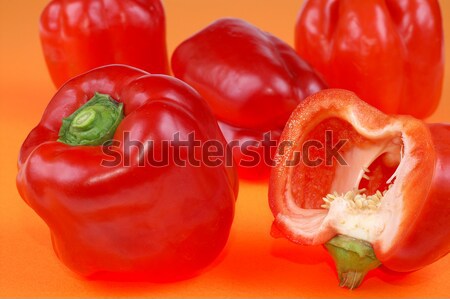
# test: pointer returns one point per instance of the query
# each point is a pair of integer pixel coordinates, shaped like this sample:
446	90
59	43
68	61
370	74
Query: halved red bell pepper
80	35
389	52
132	219
386	201
252	81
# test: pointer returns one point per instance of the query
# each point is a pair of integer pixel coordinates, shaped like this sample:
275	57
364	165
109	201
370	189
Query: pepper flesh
128	221
77	36
362	45
251	79
407	230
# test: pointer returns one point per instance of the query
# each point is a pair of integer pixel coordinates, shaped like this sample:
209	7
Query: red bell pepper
386	201
133	219
80	35
252	81
389	52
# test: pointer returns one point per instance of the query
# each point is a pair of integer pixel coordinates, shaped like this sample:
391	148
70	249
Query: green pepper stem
94	123
353	258
84	119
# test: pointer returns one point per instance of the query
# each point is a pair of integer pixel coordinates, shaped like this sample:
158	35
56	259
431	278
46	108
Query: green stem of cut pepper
353	259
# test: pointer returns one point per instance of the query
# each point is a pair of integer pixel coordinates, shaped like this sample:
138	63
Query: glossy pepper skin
407	231
80	35
251	79
129	221
389	52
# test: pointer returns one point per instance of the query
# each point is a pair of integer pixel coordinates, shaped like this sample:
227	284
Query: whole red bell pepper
383	200
114	213
252	81
79	35
389	52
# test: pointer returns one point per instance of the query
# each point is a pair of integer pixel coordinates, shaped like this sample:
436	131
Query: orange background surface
252	265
